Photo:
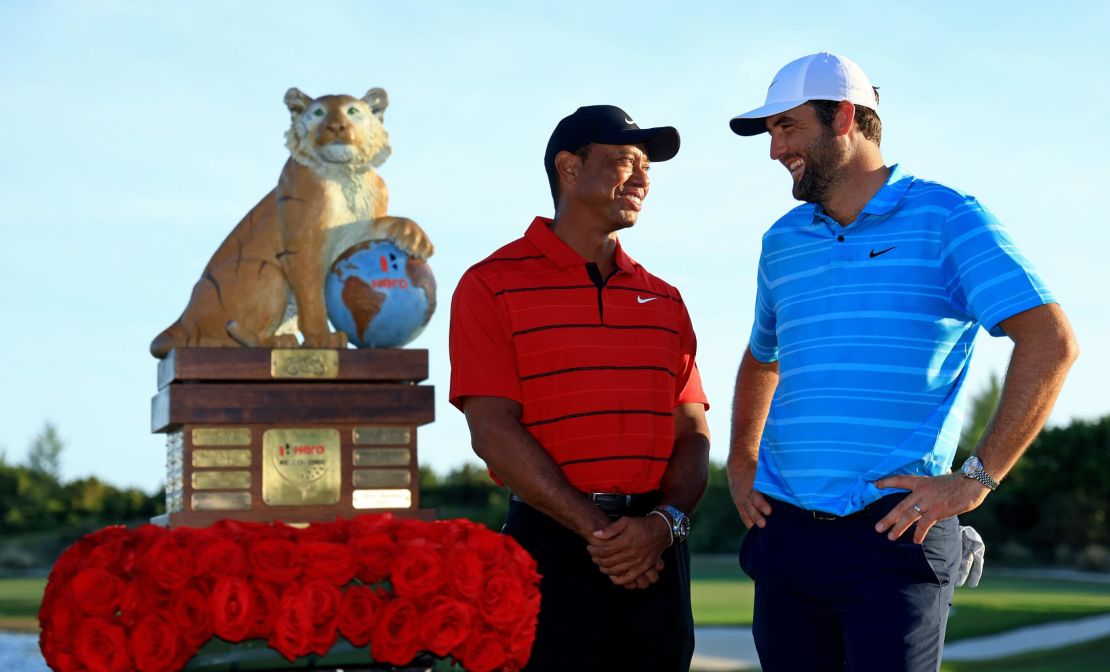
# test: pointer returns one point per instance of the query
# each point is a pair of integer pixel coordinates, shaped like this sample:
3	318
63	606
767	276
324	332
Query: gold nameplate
221	436
382	499
222	501
380	457
221	480
382	435
300	466
222	458
304	364
381	478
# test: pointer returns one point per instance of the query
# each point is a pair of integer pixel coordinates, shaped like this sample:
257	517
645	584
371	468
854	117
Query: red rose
323	601
394	640
410	529
501	600
140	596
446	624
523	563
102	647
274	560
374	554
264	609
367	524
358	613
169	561
232	608
327	561
292	633
417	571
222	557
59	619
96	591
332	533
489	546
520	644
155	644
192	617
484	653
466	574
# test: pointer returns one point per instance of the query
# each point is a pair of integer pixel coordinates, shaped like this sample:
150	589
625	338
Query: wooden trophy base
296	436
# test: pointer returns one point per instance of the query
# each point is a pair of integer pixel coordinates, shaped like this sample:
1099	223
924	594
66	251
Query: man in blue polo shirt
849	398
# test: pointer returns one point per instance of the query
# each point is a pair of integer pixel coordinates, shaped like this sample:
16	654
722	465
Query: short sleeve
989	279
688	387
483	361
764	340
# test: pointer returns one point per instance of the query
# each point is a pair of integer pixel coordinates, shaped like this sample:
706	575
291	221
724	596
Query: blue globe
380	296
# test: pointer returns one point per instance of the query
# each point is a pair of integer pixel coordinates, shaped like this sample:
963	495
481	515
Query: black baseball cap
607	125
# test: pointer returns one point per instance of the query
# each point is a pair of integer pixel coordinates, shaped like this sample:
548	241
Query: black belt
619	504
872	511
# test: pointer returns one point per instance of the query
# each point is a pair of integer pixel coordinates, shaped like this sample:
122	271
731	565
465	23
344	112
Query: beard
823	158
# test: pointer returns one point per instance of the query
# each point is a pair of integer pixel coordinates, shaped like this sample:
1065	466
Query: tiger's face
338	131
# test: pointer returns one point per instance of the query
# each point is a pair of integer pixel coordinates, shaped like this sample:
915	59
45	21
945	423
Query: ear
567	166
845	117
296	100
377	100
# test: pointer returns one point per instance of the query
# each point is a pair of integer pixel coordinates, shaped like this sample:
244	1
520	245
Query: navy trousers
837	595
588	624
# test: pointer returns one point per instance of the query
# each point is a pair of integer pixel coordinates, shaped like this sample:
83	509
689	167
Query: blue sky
140	133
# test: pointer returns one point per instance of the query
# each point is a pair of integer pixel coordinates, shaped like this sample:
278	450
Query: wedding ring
917	508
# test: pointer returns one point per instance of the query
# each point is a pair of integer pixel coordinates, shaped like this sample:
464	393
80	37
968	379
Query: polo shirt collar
553	247
884	200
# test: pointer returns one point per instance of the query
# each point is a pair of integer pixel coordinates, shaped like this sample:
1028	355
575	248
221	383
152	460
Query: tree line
1050	510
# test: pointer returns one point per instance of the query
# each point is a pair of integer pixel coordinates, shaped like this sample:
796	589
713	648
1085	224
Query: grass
722	595
1086	657
19	604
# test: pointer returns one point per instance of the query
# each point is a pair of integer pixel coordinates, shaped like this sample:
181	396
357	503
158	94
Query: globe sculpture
379	295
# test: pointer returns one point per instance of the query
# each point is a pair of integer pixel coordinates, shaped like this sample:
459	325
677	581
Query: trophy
262	425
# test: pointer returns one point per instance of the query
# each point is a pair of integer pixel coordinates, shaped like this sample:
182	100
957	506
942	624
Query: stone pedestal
299	436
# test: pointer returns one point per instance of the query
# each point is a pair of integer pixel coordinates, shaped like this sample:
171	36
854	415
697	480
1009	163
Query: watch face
971	466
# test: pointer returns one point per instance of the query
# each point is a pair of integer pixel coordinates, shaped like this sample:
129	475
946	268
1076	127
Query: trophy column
298	436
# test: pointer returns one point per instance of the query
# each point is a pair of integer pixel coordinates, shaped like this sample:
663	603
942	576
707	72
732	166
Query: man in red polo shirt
575	369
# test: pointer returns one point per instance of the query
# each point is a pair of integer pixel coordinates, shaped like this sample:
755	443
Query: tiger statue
266	280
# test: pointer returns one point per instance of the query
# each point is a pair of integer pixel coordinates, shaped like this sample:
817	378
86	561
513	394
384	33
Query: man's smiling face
808	149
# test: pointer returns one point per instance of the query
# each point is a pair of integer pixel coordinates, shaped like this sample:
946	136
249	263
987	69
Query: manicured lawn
722	595
1087	657
19	603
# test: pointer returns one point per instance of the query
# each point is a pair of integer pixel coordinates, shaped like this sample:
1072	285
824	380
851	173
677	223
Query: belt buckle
821	515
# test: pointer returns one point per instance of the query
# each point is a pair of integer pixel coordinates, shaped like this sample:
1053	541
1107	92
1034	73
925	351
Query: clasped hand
628	550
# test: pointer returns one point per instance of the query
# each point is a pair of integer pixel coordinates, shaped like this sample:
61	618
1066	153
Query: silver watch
974	470
680	522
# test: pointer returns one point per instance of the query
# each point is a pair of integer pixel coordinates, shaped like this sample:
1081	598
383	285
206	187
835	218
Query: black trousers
837	595
587	623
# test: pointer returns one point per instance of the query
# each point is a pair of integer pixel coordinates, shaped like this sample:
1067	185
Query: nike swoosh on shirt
639	300
875	254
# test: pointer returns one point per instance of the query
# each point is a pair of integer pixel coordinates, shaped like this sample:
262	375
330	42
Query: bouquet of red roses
148	599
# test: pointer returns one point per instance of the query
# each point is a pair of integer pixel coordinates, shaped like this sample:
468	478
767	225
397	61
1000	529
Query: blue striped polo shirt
872	325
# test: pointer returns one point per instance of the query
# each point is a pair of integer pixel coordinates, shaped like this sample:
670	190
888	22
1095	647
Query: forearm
755	386
1038	367
687	473
525	467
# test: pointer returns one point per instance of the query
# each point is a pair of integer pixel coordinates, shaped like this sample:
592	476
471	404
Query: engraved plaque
221	480
221	501
382	435
381	457
300	466
304	363
221	436
381	478
382	499
222	458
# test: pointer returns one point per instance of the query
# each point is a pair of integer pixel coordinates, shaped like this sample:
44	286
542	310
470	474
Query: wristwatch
974	470
680	522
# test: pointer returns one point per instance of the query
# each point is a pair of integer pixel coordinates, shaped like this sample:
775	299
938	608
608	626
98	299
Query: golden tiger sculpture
274	263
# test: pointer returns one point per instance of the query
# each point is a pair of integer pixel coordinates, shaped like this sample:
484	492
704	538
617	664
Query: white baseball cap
822	76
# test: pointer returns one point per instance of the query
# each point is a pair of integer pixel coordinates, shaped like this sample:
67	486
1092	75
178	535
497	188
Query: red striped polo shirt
597	364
